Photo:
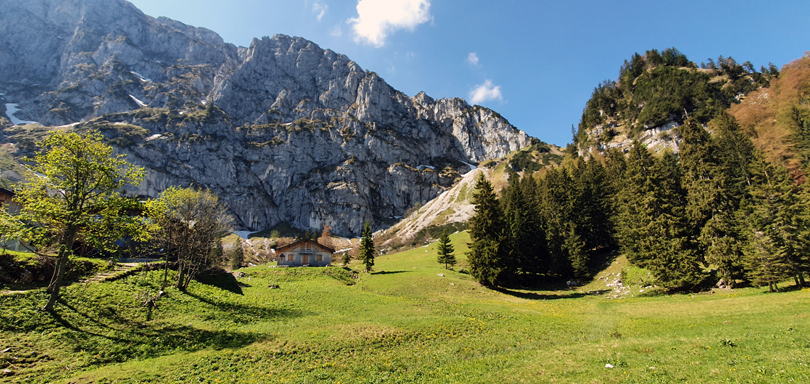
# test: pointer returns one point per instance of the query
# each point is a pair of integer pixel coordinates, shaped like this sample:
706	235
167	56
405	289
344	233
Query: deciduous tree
190	222
74	190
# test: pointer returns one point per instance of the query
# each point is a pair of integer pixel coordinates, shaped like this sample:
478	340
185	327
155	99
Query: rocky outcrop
282	130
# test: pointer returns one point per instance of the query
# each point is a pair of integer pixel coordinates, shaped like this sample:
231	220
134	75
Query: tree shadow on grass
109	336
388	272
244	314
222	280
531	295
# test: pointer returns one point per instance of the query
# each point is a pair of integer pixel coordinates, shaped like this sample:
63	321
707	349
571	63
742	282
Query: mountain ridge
284	130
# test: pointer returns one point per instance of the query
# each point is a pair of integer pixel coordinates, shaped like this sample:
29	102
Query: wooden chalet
7	202
304	253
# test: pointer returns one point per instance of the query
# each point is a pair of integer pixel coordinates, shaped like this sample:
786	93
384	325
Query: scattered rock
238	274
274	286
573	283
440	275
608	366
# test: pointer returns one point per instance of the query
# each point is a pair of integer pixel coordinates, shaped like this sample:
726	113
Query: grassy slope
403	323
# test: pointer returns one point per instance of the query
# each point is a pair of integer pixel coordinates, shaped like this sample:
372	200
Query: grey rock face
282	130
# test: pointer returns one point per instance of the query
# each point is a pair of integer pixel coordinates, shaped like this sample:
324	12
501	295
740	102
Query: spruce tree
556	214
577	255
445	251
486	229
722	236
632	203
774	250
517	245
671	248
367	251
535	253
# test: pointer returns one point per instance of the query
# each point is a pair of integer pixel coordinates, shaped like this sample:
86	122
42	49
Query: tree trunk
165	273
801	279
61	265
181	276
796	280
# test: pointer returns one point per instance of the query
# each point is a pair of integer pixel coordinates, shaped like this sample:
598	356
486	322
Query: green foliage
659	87
74	191
188	224
445	251
367	251
235	330
488	254
524	161
776	232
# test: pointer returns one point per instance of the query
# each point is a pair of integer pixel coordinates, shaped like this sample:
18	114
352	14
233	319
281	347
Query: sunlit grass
402	323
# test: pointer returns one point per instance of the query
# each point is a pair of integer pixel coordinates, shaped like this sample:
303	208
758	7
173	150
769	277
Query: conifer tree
445	251
652	226
555	212
577	255
721	237
535	253
594	203
367	251
671	250
632	202
774	249
486	229
517	245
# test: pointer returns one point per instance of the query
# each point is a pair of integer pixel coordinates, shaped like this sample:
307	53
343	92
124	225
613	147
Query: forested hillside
657	92
777	118
728	204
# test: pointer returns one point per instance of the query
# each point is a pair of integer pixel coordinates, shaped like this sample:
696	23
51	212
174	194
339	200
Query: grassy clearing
402	323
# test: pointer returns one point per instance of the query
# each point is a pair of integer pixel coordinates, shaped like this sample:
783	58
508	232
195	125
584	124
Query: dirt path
120	270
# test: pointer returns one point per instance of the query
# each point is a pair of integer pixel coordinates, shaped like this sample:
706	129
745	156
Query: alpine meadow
175	208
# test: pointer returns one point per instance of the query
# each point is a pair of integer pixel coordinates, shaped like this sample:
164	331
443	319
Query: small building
7	202
304	253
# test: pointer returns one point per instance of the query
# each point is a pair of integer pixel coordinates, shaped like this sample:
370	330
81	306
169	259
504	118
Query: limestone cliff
282	130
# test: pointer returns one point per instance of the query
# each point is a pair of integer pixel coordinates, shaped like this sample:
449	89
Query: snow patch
67	125
472	168
141	103
141	77
422	167
242	234
343	250
154	137
11	109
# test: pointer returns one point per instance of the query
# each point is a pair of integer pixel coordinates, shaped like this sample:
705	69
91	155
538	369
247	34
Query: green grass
13	264
401	323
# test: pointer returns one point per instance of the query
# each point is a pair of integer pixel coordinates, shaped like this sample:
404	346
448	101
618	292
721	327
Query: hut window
281	257
320	257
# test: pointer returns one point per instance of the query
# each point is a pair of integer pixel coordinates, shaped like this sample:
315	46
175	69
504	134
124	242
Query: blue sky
535	62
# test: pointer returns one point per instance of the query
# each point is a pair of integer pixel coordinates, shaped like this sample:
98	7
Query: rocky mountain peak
282	130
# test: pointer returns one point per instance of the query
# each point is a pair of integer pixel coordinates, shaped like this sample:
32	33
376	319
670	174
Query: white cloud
319	9
486	92
337	31
376	19
472	58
